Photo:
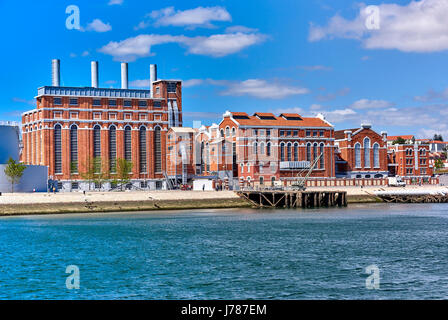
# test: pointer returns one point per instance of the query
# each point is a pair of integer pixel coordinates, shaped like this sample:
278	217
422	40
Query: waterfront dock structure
413	196
295	199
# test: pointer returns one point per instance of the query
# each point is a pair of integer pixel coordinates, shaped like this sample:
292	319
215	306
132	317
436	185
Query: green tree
124	168
101	172
399	140
14	172
87	171
438	164
437	137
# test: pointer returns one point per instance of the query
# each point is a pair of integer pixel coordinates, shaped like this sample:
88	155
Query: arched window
315	151
113	149
268	149
233	131
157	150
221	132
227	131
262	148
296	152
366	152
74	149
357	155
97	148
288	151
127	143
255	148
376	155
57	149
282	152
322	158
202	157
308	152
142	149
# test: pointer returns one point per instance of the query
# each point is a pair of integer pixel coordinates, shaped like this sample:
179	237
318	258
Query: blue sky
273	56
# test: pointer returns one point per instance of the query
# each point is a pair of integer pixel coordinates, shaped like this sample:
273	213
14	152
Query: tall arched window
315	151
207	156
322	159
308	152
268	149
262	148
376	155
113	149
282	152
288	151
296	152
97	148
366	152
202	157
357	155
74	149
142	149
158	150
57	149
127	143
255	148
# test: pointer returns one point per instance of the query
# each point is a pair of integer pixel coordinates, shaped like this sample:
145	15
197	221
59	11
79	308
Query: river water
230	254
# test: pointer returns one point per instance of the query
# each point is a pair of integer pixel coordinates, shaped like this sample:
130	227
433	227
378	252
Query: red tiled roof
405	137
290	115
264	114
280	122
339	134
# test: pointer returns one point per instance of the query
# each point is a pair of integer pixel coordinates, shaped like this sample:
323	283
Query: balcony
290	165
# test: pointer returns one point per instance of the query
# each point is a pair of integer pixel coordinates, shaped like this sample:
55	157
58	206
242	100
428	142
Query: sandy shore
38	203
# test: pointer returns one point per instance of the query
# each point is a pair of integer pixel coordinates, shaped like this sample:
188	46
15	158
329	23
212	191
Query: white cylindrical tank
9	143
124	75
94	72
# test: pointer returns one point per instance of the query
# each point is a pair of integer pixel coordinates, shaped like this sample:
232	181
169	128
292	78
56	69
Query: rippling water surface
229	254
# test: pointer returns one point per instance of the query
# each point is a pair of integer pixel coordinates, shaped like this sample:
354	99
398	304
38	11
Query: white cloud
242	29
371	104
140	83
114	2
85	53
262	89
333	95
420	26
197	17
217	45
98	26
433	95
340	115
192	83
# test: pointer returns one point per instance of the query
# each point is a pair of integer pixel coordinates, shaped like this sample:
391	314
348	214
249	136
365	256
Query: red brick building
361	153
258	149
72	126
410	161
180	165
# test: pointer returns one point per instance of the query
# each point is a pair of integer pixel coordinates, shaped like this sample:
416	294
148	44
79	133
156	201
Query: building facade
361	153
410	161
74	130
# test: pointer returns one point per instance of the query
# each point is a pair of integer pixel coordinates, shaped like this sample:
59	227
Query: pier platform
294	199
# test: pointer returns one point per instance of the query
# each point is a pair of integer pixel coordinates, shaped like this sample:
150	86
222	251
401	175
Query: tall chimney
152	76
55	73
94	67
124	75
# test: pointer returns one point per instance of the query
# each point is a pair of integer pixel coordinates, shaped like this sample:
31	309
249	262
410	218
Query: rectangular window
157	104
128	116
295	133
255	132
308	133
57	101
97	116
157	117
58	115
288	133
96	103
112	116
314	133
143	184
73	101
142	117
281	133
157	90
75	186
142	103
127	103
171	87
321	133
73	115
268	132
112	103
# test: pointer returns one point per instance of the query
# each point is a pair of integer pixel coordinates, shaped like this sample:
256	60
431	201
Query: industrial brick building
361	153
71	127
410	161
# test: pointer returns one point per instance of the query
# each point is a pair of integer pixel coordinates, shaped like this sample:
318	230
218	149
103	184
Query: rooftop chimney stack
152	76
124	75
94	67
55	73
